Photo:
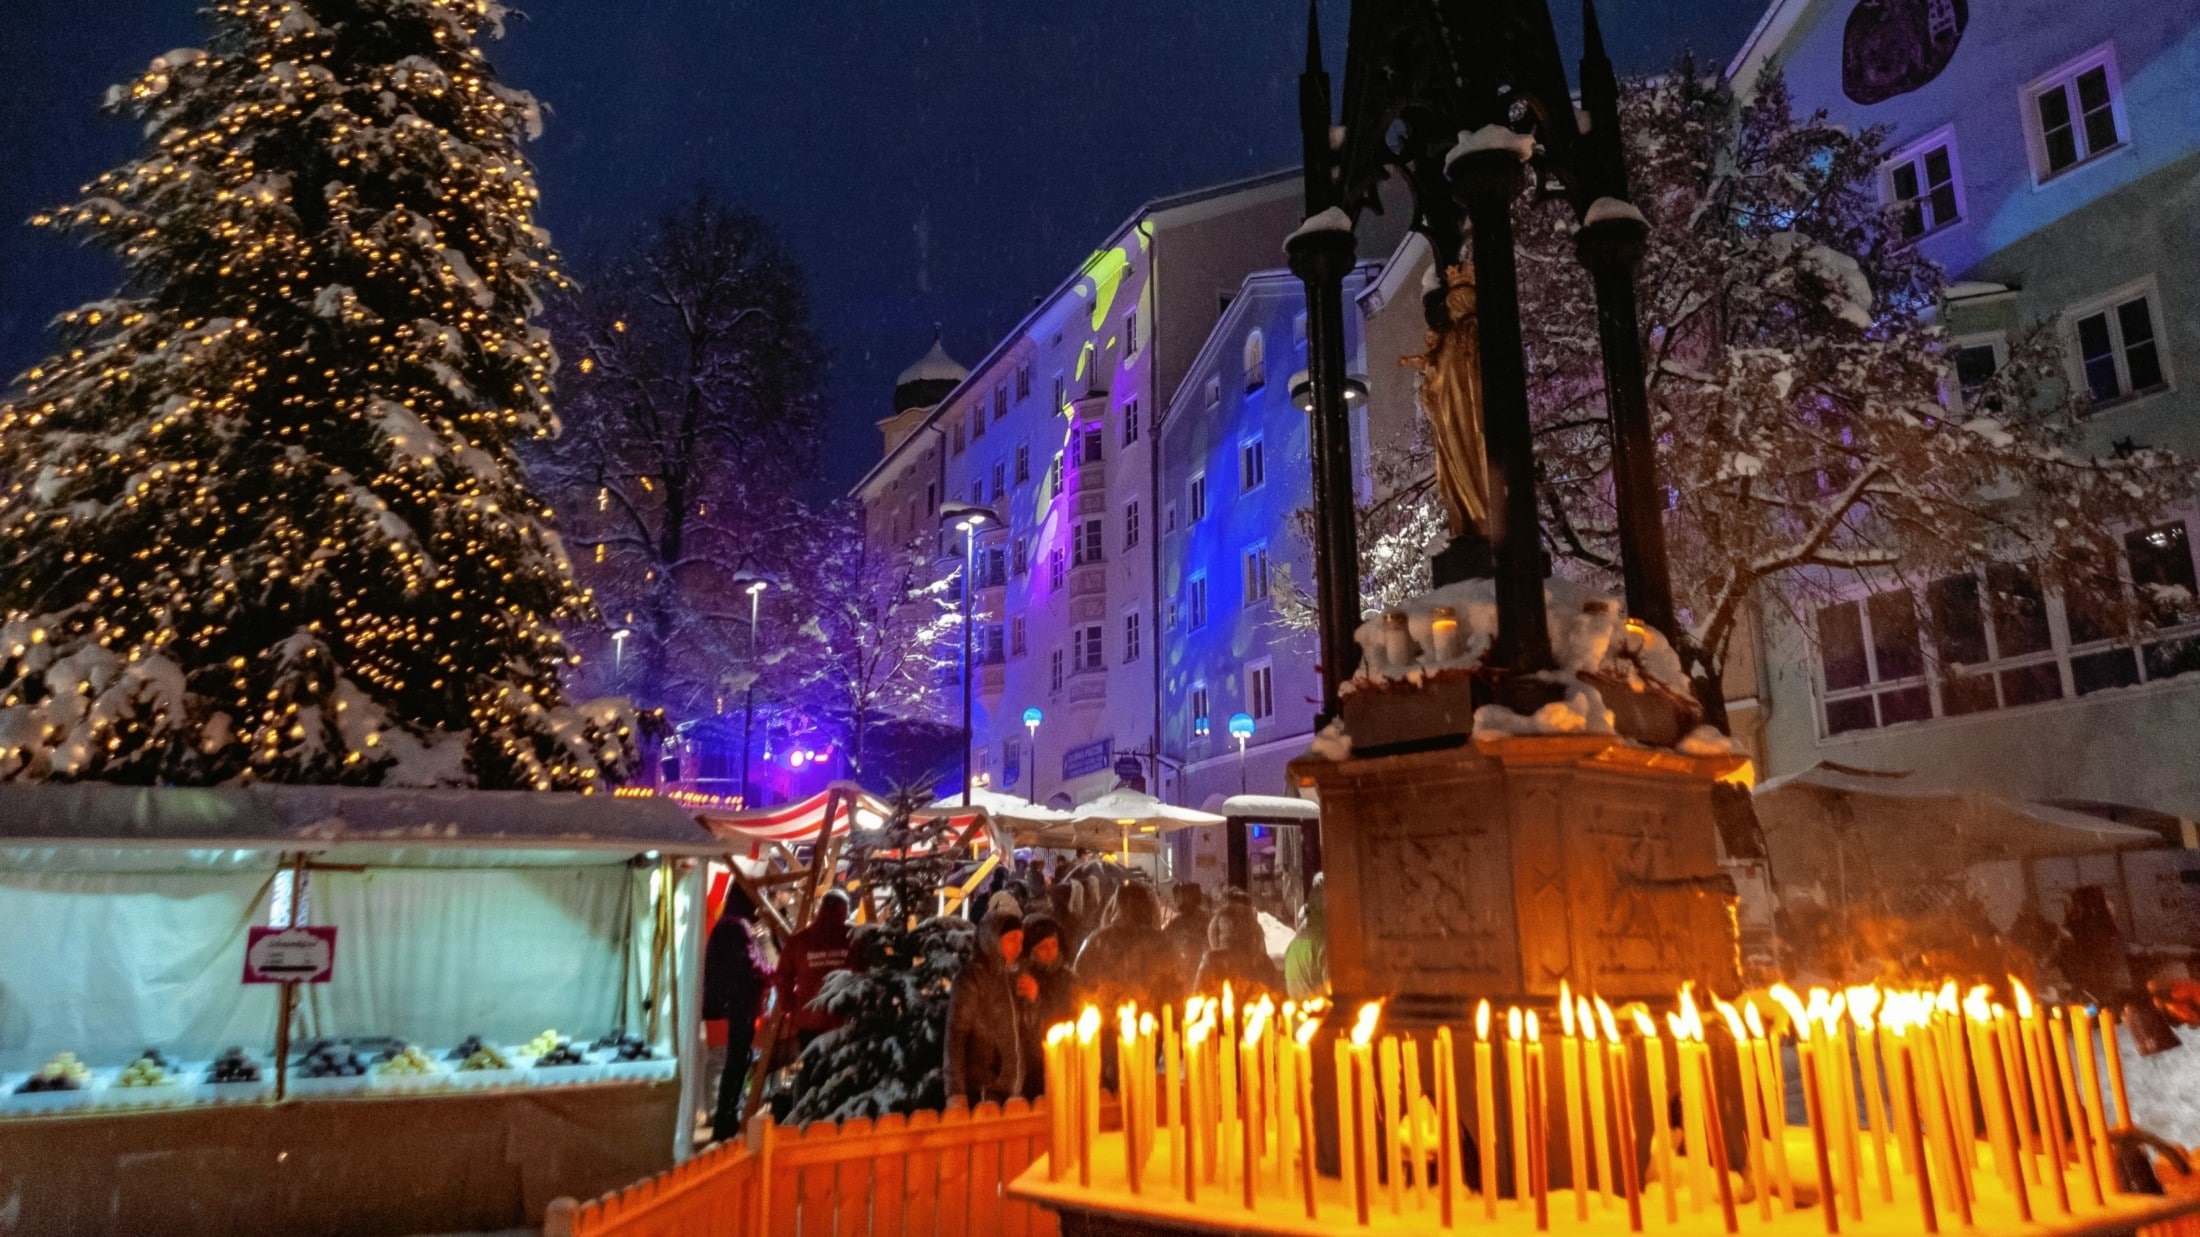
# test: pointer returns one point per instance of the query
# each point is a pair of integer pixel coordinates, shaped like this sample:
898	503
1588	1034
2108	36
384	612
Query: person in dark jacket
1188	927
1237	953
735	978
811	954
1131	958
985	1018
1051	990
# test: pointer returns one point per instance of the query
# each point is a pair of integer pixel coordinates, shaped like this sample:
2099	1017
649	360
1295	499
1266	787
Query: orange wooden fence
928	1175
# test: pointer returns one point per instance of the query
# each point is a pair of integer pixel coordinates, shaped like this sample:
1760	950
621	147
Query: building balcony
1088	580
1085	688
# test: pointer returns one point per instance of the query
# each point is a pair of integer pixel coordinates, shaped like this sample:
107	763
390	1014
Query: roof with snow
923	384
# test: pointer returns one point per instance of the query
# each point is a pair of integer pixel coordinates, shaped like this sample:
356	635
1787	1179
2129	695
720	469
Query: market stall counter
277	1009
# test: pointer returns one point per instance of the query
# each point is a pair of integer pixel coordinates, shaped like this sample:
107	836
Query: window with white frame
1061	394
1130	525
1023	381
1021	555
1199	711
2076	113
1131	636
1054	680
1992	640
1000	400
1871	663
1019	637
1092	450
1260	689
1252	464
1195	599
977	419
1923	182
1054	474
958	436
1131	341
1000	480
1256	361
1130	422
1256	574
1023	463
2158	634
1086	540
1196	498
1088	367
1057	569
1977	358
2117	344
1086	647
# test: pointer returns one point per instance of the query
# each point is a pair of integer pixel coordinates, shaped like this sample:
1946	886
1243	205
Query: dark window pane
1944	205
2099	355
1958	624
2141	361
1975	365
2031	684
1895	648
1847	715
2169	658
2100	112
2020	613
2062	143
2144	366
1905	182
2102	620
1938	172
1841	646
1911	704
2161	568
2112	668
1967	693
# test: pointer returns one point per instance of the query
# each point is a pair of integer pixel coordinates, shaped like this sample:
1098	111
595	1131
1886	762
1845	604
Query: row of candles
1217	1102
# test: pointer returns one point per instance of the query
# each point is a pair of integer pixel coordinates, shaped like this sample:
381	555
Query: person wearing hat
1049	985
986	1016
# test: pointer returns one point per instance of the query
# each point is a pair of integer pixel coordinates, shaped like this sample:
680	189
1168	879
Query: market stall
504	1010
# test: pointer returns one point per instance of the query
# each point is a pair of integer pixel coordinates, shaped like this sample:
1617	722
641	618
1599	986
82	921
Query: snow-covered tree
690	403
263	516
883	633
1399	527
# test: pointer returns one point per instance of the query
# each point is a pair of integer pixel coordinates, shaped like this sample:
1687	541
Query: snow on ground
2165	1089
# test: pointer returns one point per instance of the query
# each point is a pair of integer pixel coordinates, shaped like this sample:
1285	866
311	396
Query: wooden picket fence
928	1175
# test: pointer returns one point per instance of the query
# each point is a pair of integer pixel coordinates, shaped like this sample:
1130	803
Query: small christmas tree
262	515
888	1055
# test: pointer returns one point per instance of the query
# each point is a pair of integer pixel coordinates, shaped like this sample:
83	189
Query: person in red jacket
810	955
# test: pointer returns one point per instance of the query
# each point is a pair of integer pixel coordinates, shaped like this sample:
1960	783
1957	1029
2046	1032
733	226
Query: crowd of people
1048	940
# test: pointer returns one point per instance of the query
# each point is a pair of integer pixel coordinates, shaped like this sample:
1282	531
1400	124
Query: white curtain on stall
108	964
432	955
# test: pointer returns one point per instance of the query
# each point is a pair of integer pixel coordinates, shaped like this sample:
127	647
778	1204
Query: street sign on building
1091	758
1131	772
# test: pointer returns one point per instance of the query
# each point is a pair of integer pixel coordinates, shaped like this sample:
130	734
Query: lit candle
1417	1149
1250	1124
1172	1099
1485	1109
1841	1101
1303	1066
2040	1070
1059	1103
1088	1092
2090	1098
1443	628
1569	1100
1447	1124
1623	1112
1390	1135
2020	1097
1126	1064
2114	1051
1516	1091
1226	1060
1661	1133
1198	1136
1993	1084
1939	1115
1813	1108
1539	1134
1753	1113
1683	1026
1714	1147
1600	1130
1904	1084
2073	1103
1363	1110
1863	1004
1772	1086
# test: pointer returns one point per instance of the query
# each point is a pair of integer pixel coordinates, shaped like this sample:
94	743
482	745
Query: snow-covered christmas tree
263	517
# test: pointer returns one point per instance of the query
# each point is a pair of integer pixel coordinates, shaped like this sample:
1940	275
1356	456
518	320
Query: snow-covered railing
916	1176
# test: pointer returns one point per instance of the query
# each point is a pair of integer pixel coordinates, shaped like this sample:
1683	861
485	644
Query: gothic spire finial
1592	35
1313	36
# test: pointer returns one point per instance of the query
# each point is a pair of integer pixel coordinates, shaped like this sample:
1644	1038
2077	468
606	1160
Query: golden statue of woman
1451	399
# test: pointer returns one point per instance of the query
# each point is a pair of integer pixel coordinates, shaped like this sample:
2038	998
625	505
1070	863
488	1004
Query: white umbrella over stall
1122	814
1022	819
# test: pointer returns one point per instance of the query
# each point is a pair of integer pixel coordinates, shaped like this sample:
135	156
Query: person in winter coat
1067	901
1053	993
1188	927
811	954
1237	953
1306	962
986	1016
735	978
1131	958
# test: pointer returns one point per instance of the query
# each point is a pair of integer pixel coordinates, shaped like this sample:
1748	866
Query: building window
1252	464
1256	575
1093	446
1061	394
989	645
1195	595
993	571
1994	646
1168	517
1976	362
1256	361
958	436
1131	341
1130	526
1922	183
1087	541
1872	663
1130	422
2076	113
1088	368
1199	711
2117	346
1019	637
1000	401
931	498
1214	391
1023	381
1196	504
1000	481
1021	552
2167	605
1054	680
1260	690
1130	636
1054	474
977	420
1087	647
1057	568
977	492
1023	463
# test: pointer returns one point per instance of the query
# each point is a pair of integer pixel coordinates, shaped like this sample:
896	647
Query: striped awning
802	820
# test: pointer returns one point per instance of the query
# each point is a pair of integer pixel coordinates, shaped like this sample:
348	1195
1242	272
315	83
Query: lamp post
618	646
1032	718
754	586
967	519
1241	729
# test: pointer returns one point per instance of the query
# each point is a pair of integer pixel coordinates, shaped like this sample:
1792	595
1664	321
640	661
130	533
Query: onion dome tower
927	382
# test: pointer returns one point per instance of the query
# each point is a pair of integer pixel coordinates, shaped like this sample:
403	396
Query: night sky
927	161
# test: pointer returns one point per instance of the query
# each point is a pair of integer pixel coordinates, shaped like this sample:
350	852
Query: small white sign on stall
302	955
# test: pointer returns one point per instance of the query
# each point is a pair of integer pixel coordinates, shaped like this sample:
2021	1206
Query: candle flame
1976	1007
2023	997
1947	997
1756	1024
1126	1022
1645	1025
1585	1018
1862	1002
1088	1024
1512	1023
1565	1009
1256	1025
1146	1024
1307	1030
1535	1029
1798	1017
1733	1019
1363	1029
1690	1023
1058	1032
1482	1019
1229	1001
1611	1027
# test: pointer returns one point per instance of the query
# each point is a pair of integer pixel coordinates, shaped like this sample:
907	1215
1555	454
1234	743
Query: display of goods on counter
233	1066
149	1070
564	1054
467	1047
409	1060
331	1060
484	1057
63	1073
625	1046
542	1043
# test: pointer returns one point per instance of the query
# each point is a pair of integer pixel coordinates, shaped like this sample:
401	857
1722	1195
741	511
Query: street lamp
754	585
1032	718
618	646
1241	729
967	519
